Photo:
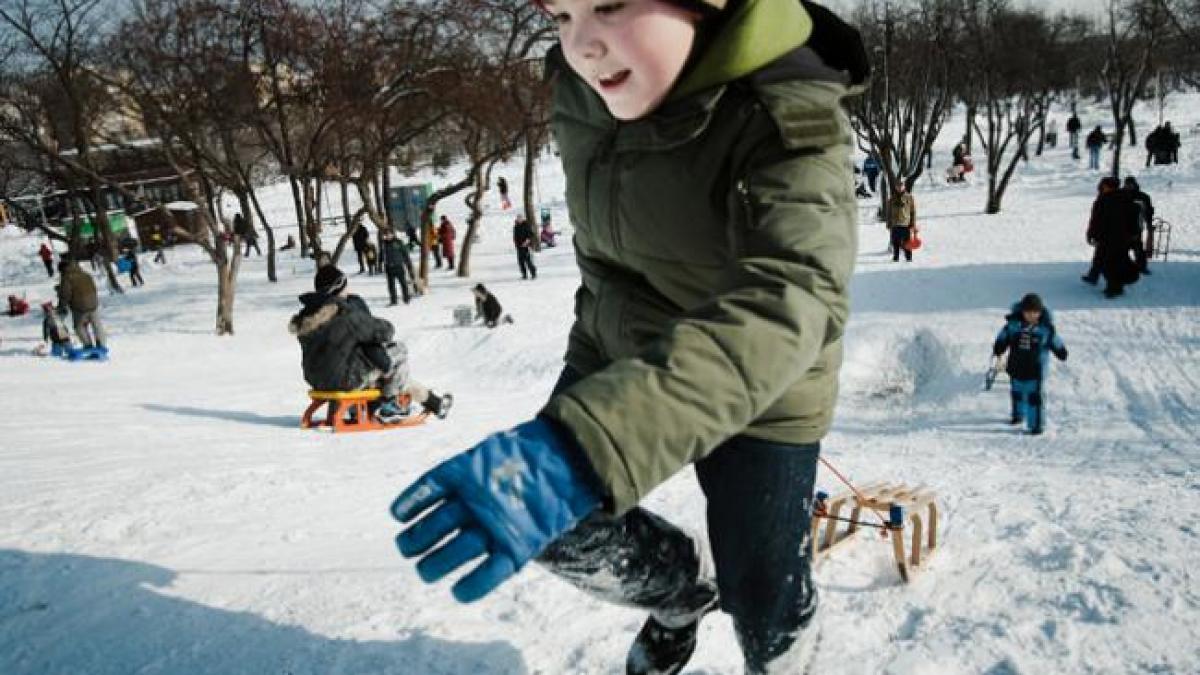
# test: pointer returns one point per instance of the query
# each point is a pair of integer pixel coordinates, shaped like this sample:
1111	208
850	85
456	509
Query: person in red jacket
47	255
17	306
446	238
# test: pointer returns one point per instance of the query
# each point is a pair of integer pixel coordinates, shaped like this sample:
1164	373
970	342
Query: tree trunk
386	187
474	201
301	221
970	126
345	194
270	238
993	199
226	292
530	165
1118	137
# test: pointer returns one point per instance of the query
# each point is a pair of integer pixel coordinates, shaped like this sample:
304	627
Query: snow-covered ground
163	512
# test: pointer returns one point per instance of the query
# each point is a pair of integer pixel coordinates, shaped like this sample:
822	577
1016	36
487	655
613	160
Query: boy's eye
560	17
610	8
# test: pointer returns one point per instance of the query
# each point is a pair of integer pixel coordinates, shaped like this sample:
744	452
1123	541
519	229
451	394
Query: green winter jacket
77	290
715	238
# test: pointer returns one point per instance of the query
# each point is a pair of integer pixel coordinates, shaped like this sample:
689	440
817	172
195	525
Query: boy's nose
585	44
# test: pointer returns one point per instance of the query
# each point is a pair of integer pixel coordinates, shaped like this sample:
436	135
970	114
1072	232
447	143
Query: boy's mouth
610	82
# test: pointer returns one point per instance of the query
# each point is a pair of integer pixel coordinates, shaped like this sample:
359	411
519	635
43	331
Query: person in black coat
1111	230
361	238
344	348
1095	143
397	265
488	308
1073	128
523	241
1145	222
243	229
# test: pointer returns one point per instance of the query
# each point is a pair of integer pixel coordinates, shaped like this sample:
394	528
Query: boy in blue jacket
1029	336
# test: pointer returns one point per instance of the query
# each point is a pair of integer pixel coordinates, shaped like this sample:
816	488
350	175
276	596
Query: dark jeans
900	237
49	267
872	177
394	276
437	256
759	510
252	243
525	262
135	277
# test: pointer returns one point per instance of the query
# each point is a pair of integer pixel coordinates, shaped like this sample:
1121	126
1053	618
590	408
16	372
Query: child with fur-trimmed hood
344	348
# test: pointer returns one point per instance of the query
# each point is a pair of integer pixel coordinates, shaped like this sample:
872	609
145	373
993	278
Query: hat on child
1031	303
329	280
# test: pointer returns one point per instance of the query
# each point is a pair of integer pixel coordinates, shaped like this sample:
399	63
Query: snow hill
163	512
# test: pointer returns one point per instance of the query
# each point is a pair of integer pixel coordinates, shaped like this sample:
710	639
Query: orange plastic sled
348	411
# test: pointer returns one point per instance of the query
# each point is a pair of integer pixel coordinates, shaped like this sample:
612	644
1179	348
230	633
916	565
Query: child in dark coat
1029	336
344	348
488	308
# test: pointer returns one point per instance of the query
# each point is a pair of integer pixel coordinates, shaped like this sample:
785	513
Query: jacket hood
750	35
319	309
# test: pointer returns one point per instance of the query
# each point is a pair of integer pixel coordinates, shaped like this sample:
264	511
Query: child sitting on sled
54	332
344	348
1029	336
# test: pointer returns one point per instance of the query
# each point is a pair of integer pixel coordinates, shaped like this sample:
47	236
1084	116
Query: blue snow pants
759	509
1027	403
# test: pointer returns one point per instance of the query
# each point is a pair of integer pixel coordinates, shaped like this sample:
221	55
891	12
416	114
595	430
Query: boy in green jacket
708	173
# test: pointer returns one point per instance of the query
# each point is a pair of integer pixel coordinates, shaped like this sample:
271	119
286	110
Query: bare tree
1132	32
50	101
193	82
908	98
1004	48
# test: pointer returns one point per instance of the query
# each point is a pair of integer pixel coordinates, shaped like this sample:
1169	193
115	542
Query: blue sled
83	354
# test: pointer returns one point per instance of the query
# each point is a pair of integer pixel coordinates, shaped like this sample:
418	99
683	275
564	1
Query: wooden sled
348	411
837	519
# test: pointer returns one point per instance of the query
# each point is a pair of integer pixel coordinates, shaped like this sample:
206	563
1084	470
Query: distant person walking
360	239
1095	142
523	241
446	235
871	169
243	229
902	222
47	255
135	270
502	186
1145	220
397	266
1111	230
1073	128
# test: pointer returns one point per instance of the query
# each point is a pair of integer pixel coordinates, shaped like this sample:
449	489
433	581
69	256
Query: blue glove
508	497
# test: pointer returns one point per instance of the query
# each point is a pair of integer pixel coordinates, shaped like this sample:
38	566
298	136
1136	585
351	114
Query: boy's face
629	51
1031	316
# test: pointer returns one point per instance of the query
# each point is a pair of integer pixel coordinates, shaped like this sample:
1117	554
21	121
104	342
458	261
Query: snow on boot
390	412
661	650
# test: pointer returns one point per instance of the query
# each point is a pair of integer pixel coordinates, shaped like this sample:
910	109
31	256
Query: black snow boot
439	405
660	650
